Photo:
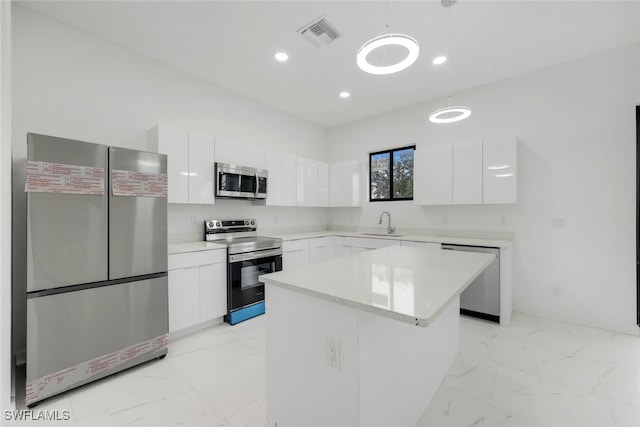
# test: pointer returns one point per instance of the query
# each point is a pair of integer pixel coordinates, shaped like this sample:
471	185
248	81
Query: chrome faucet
390	229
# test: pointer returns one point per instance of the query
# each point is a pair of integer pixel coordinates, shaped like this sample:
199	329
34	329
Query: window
391	174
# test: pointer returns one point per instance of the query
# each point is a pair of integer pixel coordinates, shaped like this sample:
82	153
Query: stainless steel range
248	257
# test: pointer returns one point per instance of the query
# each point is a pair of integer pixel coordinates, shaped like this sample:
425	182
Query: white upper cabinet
433	175
289	176
311	183
253	157
352	192
500	170
228	152
274	183
345	184
323	184
201	168
335	185
467	173
307	182
190	163
235	153
175	144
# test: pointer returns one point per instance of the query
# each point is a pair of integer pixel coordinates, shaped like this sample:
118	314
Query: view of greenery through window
391	174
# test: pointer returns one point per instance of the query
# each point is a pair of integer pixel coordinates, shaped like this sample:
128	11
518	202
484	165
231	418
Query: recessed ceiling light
281	56
439	60
344	94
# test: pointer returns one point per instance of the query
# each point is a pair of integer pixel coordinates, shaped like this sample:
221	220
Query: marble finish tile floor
536	372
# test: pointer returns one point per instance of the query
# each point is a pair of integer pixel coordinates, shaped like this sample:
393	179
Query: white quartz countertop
412	285
470	241
179	248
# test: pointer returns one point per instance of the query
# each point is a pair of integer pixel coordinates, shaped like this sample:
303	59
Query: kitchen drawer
295	245
360	242
321	242
343	241
193	259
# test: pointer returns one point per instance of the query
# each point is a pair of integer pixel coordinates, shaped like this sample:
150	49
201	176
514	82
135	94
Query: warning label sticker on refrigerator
64	379
138	184
47	177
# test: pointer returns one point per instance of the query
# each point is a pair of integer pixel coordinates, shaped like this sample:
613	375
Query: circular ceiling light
385	40
450	114
344	94
439	60
281	56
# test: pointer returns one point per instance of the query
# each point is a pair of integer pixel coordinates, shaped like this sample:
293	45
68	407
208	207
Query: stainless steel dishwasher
482	297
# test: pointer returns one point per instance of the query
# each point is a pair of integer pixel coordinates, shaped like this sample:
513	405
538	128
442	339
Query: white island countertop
412	285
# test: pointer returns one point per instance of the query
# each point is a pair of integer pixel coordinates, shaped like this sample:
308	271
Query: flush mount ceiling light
281	56
382	41
344	94
449	114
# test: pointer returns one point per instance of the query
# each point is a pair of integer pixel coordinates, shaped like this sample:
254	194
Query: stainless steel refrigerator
97	298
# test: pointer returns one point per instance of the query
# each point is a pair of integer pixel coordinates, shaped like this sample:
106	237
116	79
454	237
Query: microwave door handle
257	183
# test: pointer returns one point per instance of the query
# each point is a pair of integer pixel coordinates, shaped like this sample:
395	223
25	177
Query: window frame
389	151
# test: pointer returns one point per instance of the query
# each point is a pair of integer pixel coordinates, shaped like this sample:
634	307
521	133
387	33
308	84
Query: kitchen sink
381	234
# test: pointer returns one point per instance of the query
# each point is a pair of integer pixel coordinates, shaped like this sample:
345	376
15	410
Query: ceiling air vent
319	32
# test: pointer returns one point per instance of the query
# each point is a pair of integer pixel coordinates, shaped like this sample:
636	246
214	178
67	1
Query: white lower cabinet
197	288
360	244
321	249
213	297
184	294
343	246
414	244
295	253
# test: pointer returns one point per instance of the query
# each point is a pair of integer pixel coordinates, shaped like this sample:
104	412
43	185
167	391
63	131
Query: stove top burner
239	235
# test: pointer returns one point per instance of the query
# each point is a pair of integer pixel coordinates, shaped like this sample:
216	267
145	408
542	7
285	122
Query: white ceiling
232	43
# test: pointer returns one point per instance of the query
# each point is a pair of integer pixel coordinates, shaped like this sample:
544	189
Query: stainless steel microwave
240	182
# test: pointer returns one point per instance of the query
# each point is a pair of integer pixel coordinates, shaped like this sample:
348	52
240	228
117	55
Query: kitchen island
364	339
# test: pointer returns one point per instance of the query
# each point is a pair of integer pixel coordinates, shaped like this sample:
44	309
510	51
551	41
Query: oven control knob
210	224
246	222
253	222
217	223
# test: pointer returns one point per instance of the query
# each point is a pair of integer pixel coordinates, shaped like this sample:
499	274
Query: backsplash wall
186	222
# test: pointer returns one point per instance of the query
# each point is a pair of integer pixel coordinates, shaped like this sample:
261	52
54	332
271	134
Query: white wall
5	206
576	126
72	84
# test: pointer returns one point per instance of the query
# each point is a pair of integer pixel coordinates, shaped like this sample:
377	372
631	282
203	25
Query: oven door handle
254	255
